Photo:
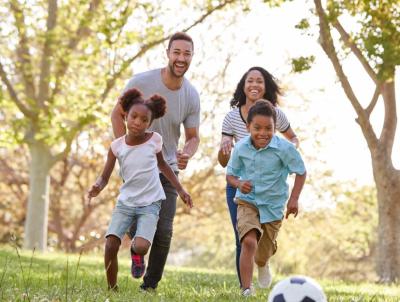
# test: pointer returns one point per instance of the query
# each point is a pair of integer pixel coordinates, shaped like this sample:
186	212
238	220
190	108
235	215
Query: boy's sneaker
248	292
264	276
138	266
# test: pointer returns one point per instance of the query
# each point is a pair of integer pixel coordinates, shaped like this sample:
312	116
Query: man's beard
171	69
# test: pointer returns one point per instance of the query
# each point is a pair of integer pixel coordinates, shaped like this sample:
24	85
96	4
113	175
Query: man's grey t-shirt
183	107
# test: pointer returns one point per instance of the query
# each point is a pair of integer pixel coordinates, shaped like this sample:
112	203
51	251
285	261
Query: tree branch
70	136
115	76
390	121
356	51
81	33
374	100
328	46
14	96
25	64
47	54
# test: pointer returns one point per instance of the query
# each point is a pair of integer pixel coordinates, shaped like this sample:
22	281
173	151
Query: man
183	107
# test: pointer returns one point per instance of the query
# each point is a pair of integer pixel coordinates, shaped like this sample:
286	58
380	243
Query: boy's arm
293	203
170	175
243	186
102	181
233	172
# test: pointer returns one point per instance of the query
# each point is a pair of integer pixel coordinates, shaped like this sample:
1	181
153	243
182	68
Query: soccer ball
297	289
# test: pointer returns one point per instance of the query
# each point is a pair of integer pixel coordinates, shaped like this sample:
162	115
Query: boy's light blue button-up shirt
267	169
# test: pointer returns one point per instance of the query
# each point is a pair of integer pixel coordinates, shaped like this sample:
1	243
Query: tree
376	45
59	63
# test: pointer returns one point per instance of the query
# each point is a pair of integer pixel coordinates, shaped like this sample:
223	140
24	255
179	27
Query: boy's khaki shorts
248	218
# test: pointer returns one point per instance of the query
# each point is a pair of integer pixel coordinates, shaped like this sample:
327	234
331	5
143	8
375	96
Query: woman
255	84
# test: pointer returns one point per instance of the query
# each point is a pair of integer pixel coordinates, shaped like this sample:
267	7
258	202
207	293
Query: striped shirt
234	124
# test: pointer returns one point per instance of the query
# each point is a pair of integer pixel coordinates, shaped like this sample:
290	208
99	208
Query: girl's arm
293	203
102	181
291	137
224	152
170	175
118	120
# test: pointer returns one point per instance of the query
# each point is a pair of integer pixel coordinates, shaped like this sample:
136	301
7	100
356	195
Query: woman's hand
226	145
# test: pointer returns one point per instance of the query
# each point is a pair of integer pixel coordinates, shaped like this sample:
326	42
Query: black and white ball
297	289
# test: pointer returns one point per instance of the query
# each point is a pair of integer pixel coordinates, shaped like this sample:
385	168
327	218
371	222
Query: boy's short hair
180	36
262	107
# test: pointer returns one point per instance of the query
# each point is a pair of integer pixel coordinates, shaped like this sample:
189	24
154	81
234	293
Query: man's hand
183	159
245	186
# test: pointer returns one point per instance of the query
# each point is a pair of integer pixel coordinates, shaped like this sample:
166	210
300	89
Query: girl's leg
140	245
232	206
146	225
111	259
249	248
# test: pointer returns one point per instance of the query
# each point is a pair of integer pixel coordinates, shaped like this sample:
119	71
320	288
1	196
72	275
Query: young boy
259	168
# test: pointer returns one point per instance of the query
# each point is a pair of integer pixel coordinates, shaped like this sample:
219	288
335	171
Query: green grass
25	276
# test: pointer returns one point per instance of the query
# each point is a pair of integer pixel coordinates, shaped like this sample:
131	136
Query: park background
66	73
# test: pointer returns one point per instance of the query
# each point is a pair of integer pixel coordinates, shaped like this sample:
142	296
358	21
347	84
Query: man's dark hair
180	36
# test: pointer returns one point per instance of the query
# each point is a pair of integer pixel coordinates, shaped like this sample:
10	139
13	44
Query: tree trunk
38	202
388	189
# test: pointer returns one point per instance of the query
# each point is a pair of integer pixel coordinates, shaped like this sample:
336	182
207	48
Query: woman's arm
291	136
102	181
225	149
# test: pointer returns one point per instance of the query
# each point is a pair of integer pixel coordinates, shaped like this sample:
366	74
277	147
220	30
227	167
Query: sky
314	100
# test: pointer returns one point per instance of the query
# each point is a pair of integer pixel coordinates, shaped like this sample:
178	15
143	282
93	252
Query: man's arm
118	120
192	141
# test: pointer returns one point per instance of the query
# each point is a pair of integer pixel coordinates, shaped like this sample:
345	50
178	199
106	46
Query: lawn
25	276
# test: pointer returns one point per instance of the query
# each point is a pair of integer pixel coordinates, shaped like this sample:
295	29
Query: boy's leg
111	260
232	206
267	245
249	247
249	229
162	238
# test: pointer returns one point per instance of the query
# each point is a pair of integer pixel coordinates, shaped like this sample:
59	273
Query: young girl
140	159
258	168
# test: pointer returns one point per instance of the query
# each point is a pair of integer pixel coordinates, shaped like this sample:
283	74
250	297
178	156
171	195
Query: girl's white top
139	171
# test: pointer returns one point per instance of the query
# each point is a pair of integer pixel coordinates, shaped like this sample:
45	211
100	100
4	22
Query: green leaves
378	33
301	64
